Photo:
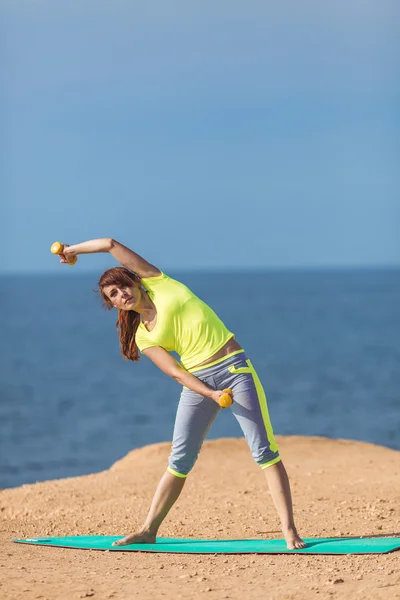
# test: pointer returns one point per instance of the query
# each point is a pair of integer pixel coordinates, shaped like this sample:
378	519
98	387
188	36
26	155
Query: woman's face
123	298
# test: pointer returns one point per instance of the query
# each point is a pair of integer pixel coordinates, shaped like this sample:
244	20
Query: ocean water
326	345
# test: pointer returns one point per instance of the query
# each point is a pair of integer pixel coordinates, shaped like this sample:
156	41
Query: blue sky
201	134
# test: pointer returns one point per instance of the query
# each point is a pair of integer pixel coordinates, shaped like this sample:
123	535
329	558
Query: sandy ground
340	488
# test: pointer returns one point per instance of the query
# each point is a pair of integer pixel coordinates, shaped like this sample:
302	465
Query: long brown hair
128	320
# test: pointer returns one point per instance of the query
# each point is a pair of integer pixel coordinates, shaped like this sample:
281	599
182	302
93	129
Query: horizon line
220	269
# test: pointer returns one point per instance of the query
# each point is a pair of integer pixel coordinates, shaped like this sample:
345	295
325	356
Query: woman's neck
146	307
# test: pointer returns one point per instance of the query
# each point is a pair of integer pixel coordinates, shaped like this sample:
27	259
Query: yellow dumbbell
58	248
226	399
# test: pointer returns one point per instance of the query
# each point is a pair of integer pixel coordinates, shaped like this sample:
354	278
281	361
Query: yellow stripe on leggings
270	463
264	409
176	473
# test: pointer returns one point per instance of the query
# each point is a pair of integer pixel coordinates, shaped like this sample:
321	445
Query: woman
157	315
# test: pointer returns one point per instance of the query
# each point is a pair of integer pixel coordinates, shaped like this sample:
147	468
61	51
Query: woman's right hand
216	396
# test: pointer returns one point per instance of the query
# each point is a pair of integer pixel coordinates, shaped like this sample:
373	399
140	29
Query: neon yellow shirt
185	324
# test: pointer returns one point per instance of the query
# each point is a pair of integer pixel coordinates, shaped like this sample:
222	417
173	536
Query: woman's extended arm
171	367
121	253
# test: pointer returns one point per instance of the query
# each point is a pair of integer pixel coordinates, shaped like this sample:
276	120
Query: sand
340	488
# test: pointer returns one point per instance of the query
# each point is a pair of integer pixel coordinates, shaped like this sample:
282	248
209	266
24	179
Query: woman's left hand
67	255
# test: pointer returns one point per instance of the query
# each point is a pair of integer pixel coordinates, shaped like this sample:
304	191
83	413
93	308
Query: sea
325	343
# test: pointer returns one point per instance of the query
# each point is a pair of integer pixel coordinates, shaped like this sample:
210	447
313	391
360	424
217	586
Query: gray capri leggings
196	414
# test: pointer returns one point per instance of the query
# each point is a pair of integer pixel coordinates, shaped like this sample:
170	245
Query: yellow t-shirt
185	324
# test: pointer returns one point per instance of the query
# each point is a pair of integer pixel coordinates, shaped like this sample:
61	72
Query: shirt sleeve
150	282
143	342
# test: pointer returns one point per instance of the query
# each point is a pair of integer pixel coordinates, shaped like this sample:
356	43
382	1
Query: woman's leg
278	483
166	495
251	410
194	418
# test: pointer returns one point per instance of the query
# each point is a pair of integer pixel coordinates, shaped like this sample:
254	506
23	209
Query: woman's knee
266	455
181	465
194	418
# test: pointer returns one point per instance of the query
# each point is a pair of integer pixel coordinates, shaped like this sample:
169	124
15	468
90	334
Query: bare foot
140	537
293	540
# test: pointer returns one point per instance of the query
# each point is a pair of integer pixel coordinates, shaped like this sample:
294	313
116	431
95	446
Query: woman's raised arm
121	253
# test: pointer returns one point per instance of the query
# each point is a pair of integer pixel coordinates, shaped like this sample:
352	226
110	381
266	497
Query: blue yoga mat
351	545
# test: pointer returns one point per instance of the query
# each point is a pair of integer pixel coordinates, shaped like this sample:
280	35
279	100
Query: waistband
225	361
